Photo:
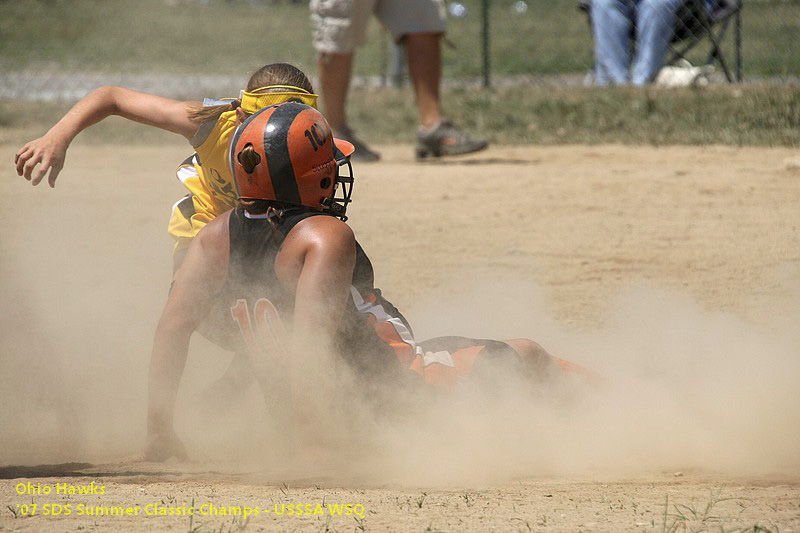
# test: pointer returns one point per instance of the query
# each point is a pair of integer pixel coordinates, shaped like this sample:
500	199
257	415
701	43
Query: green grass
234	36
762	115
748	115
150	36
707	517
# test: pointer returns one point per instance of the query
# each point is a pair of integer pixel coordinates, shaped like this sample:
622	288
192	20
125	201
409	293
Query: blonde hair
274	74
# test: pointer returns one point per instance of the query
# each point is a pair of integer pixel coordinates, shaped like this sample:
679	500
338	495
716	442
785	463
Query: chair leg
716	50
737	26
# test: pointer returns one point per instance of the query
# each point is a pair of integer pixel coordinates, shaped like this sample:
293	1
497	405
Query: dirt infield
673	271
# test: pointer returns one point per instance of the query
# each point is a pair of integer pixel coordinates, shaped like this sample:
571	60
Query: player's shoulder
324	224
322	231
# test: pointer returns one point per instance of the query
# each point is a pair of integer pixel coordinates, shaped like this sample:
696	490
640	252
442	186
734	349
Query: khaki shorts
339	26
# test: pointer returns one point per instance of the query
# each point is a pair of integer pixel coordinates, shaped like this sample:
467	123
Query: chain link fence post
485	42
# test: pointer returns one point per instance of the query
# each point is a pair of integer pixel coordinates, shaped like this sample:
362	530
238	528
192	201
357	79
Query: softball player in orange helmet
298	288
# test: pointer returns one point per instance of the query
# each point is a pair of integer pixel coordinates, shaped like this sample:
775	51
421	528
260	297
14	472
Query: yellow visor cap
258	99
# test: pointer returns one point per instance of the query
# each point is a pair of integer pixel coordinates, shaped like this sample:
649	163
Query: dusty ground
674	270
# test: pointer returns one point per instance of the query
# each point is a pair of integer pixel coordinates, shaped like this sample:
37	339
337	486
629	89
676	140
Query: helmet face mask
336	203
286	154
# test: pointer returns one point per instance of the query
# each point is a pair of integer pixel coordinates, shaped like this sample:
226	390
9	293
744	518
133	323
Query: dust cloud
682	387
85	269
79	308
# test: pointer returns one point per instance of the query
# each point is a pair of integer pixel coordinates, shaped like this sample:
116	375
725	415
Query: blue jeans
612	24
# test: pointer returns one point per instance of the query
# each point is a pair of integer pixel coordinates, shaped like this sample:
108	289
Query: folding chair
695	24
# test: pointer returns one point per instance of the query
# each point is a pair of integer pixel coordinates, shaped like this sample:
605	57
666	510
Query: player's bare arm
197	283
47	154
316	262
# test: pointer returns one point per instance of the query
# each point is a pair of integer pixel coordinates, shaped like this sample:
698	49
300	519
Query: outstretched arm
197	283
316	262
49	151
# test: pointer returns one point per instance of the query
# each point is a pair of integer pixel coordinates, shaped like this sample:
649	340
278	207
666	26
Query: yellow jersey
207	173
207	176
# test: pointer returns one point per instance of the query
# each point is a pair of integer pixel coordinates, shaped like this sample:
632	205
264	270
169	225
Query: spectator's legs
334	76
655	21
436	136
612	21
425	69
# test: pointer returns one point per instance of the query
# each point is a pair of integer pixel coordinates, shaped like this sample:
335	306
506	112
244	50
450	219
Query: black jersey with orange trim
254	245
373	336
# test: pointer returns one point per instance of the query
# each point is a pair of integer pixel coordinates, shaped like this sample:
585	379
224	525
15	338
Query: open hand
39	156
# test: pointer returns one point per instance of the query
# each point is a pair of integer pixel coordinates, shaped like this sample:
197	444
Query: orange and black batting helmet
286	153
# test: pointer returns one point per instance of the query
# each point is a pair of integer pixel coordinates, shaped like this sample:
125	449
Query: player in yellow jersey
207	125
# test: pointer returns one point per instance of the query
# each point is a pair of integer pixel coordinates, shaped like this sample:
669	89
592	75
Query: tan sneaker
447	139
